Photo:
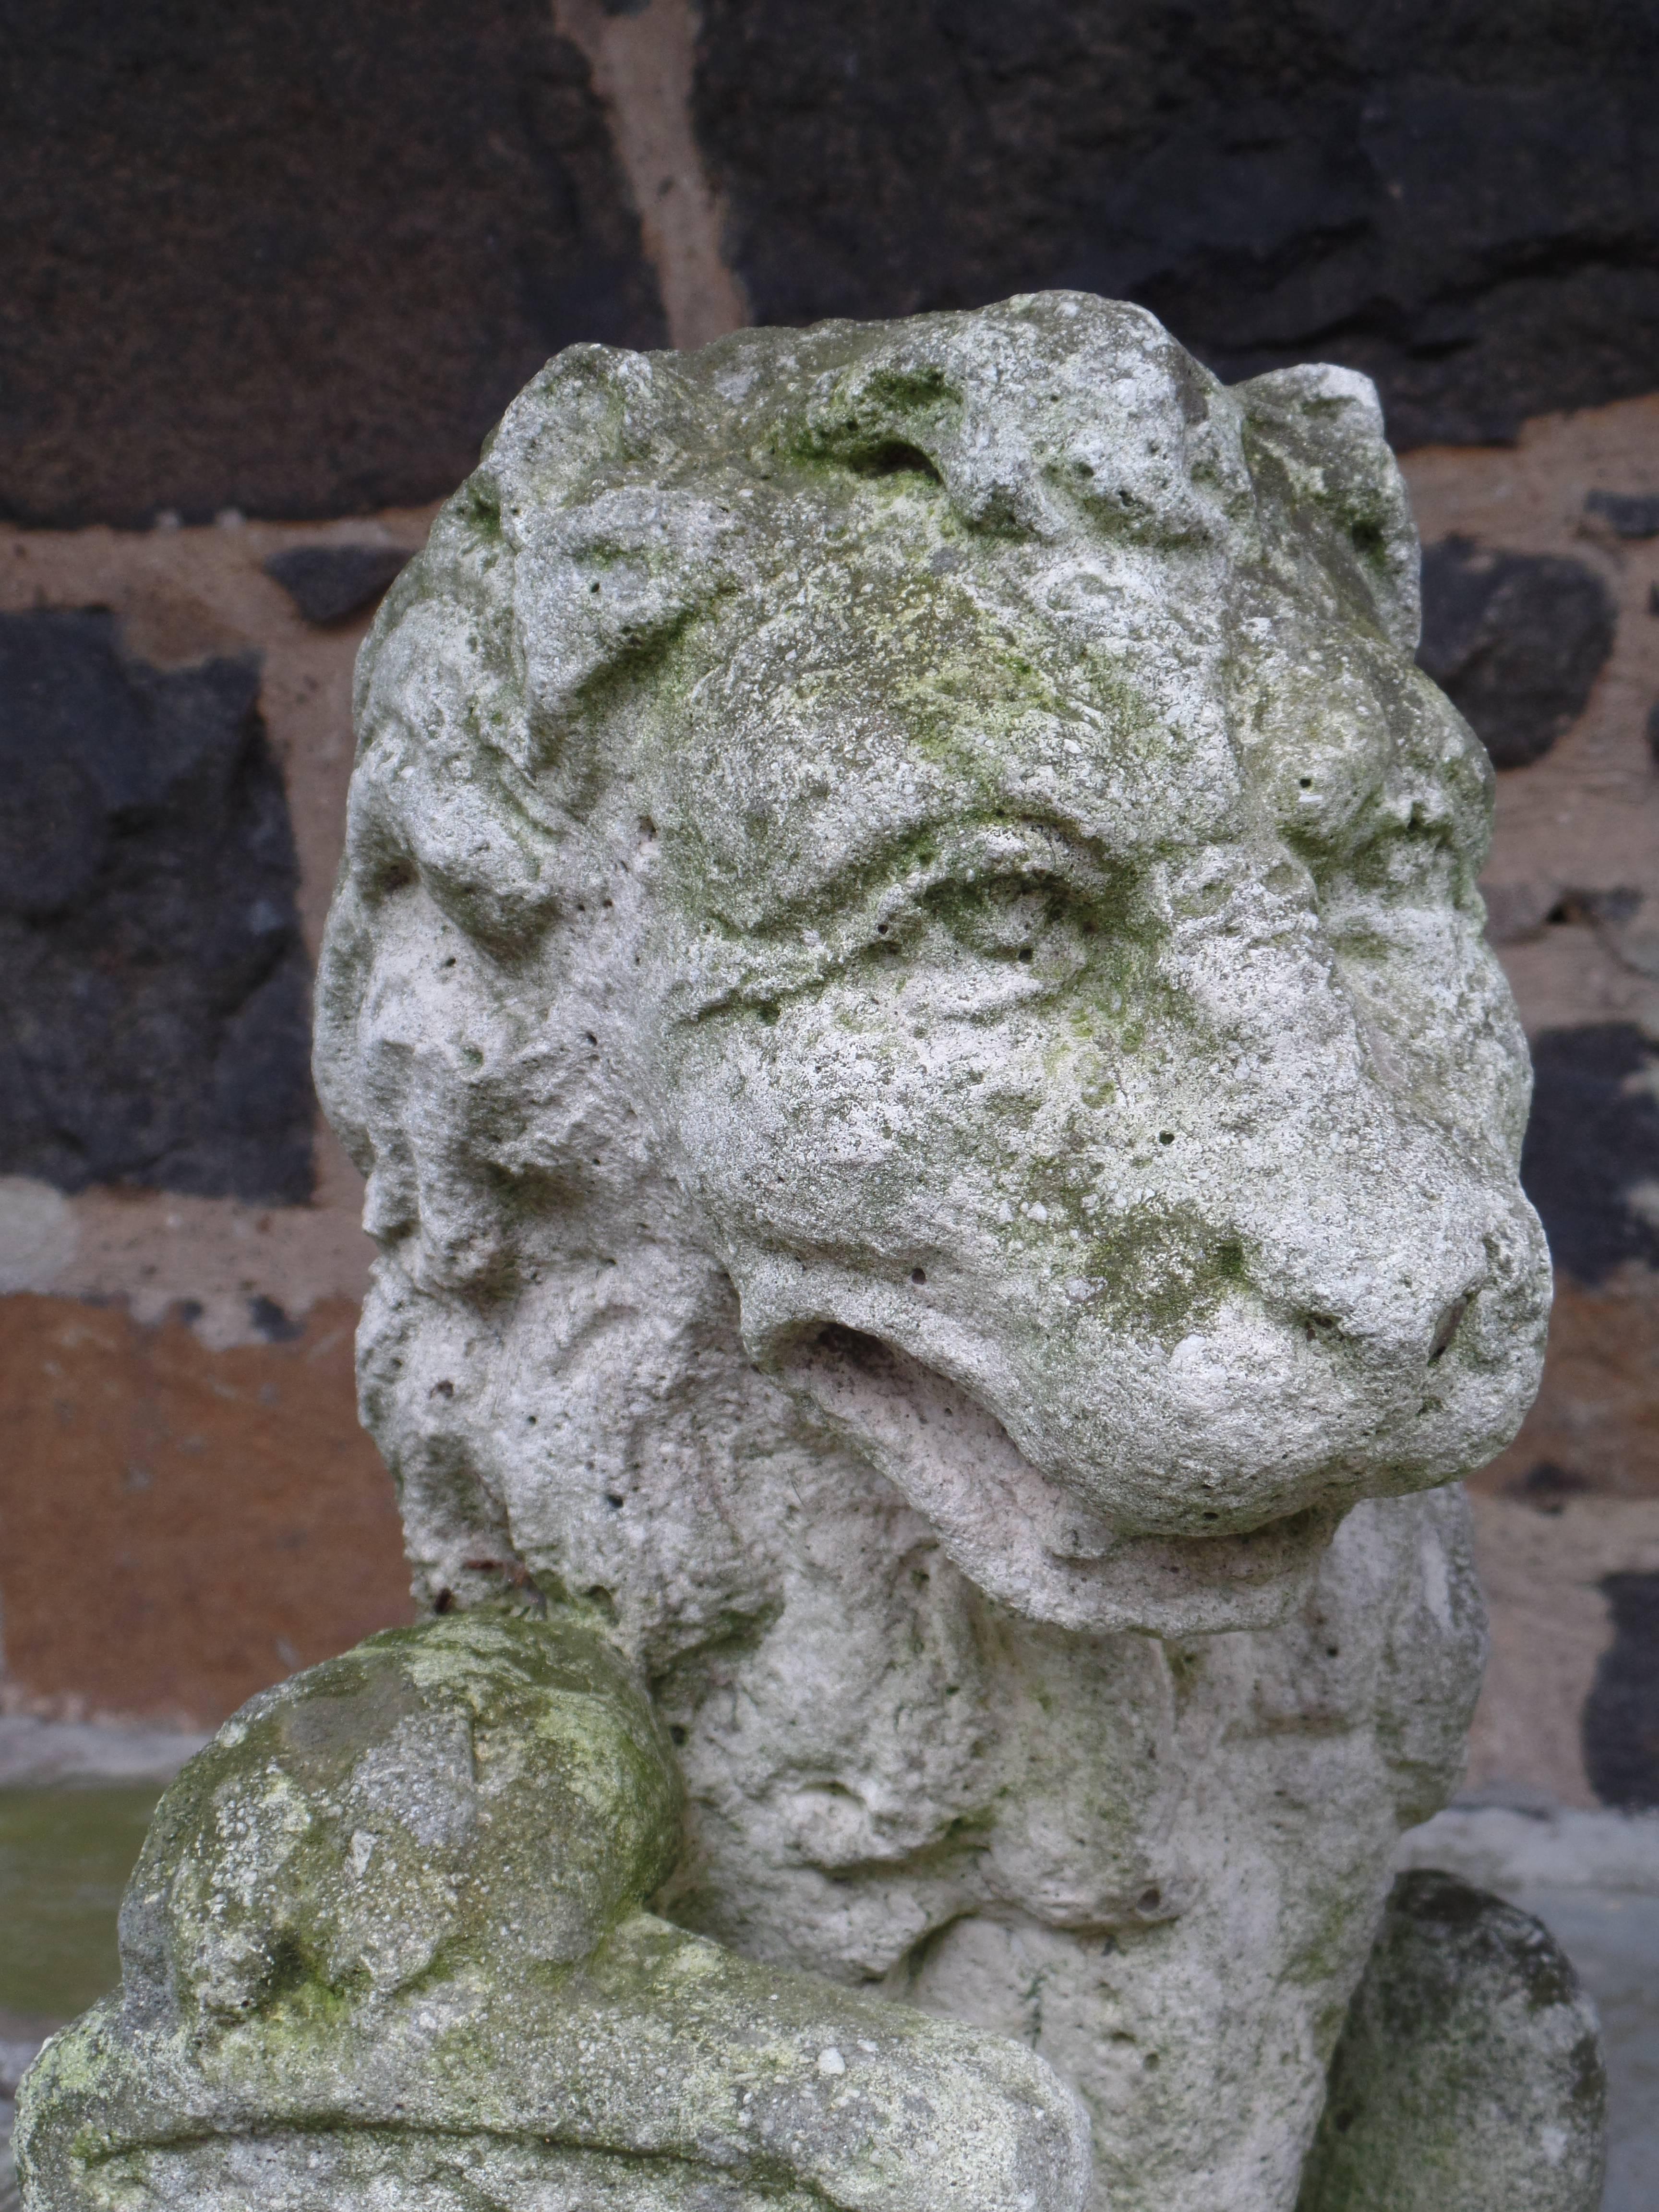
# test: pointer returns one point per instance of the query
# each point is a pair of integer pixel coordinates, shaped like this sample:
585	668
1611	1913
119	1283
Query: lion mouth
1023	1538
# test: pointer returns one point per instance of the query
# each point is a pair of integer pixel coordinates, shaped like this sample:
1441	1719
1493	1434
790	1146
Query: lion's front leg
386	1943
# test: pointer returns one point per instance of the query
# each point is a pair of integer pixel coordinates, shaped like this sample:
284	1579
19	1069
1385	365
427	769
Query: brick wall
271	276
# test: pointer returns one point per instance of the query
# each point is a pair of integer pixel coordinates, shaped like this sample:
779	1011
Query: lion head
902	879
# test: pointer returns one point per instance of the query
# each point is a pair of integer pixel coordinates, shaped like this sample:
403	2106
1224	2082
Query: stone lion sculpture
909	983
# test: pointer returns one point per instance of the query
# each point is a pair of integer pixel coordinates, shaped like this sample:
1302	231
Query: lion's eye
1003	917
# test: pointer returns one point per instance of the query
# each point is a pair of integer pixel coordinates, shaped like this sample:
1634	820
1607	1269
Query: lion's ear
1323	426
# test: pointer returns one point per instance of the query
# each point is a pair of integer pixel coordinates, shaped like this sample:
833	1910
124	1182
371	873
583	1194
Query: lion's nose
1386	1309
1400	1332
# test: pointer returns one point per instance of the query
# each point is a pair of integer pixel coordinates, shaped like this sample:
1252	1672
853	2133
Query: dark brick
1591	1143
329	582
155	1001
1627	514
1515	640
1547	1487
1621	1714
287	256
1463	202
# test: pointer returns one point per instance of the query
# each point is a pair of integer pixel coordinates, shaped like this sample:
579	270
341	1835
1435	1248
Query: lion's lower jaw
1023	1539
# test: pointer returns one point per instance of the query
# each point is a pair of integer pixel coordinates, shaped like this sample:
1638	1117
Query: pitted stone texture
478	1784
1470	2070
386	1937
942	820
909	985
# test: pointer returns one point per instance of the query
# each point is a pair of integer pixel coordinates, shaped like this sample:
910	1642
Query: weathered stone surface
153	985
294	259
386	1934
942	1132
1460	205
329	582
1621	1714
1470	2071
1592	1147
1516	640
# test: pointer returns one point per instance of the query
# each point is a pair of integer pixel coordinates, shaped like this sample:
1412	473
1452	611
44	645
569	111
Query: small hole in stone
1026	952
918	1274
676	1733
1306	782
881	929
896	458
1151	1900
1166	1136
1447	1330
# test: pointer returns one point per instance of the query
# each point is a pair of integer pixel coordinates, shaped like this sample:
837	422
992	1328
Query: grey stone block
1592	1141
1621	1714
1470	2073
1627	514
329	582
